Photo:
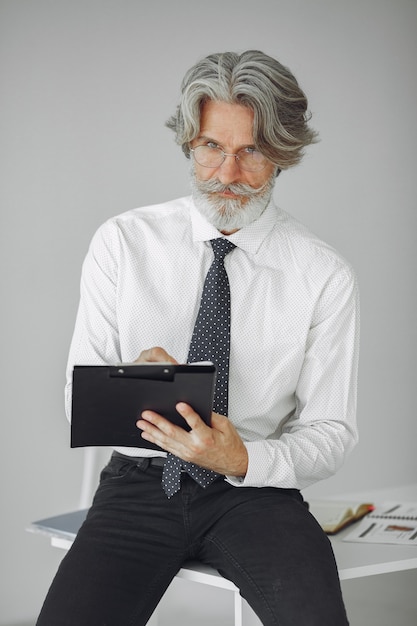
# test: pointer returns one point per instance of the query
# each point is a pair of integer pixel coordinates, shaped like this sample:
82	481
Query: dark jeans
134	541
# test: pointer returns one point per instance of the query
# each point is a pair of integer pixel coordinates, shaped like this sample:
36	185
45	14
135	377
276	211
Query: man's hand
218	448
155	355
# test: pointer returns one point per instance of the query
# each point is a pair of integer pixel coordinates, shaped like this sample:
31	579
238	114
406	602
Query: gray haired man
288	413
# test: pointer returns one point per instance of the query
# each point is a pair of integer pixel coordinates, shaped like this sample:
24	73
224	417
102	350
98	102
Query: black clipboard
107	400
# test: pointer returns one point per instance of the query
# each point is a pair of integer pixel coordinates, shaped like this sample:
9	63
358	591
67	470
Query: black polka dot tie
210	342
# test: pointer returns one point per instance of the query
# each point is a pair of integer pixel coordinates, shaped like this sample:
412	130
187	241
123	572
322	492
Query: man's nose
229	171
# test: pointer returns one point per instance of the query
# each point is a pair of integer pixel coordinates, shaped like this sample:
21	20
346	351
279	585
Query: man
228	494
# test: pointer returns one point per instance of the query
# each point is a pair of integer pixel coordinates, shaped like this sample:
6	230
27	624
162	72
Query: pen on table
365	532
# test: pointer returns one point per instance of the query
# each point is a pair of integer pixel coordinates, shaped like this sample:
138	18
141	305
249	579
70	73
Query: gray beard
230	214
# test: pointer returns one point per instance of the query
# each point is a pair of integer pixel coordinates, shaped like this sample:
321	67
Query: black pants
134	541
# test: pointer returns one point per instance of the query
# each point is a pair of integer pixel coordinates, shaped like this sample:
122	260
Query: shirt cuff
257	474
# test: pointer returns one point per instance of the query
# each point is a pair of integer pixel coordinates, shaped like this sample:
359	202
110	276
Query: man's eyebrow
206	138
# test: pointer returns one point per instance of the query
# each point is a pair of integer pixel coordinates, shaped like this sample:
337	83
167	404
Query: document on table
392	522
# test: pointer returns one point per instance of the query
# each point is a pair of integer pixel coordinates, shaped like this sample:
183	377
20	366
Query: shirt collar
249	238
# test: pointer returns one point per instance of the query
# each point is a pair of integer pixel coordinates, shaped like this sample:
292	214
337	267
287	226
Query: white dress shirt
294	328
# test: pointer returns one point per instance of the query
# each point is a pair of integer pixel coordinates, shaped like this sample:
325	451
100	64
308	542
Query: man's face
232	197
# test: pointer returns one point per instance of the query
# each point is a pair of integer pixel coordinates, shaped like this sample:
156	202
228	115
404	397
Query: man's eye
212	144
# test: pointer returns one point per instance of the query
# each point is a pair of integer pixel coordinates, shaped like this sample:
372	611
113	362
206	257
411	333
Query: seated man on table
223	275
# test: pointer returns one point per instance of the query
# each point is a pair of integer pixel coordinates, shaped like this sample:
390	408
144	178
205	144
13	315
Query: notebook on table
64	526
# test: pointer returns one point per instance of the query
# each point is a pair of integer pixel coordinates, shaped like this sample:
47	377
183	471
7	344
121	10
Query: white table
354	560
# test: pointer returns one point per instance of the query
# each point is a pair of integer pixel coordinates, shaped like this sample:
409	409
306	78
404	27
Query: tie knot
221	247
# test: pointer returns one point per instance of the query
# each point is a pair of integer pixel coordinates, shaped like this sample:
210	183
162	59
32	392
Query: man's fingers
219	422
175	439
192	418
155	355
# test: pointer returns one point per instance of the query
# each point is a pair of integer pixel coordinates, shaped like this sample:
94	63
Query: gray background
86	87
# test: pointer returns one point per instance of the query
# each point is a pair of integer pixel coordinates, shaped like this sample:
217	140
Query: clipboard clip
143	372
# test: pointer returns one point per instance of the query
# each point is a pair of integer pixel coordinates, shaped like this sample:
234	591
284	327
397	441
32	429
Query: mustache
213	185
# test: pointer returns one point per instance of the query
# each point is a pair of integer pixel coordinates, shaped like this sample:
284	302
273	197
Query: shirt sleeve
95	340
322	430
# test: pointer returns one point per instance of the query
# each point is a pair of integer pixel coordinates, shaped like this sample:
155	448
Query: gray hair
254	80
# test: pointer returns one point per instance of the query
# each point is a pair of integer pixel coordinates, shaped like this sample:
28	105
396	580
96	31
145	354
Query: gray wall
86	86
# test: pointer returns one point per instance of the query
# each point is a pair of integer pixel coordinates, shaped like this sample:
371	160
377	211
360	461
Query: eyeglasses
248	159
